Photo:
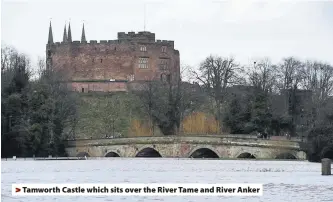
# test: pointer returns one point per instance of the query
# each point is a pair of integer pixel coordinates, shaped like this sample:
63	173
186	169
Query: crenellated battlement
144	37
106	42
137	37
165	42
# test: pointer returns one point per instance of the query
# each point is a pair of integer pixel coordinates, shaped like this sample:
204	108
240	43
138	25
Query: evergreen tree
261	114
14	83
234	118
35	114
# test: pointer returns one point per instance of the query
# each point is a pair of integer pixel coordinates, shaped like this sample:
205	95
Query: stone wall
98	86
224	147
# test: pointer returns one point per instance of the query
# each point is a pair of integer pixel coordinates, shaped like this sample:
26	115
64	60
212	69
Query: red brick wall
94	61
112	60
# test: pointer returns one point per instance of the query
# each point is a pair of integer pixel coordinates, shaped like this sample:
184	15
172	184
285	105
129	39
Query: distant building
109	65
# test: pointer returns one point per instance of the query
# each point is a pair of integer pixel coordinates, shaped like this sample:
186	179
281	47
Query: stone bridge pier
228	147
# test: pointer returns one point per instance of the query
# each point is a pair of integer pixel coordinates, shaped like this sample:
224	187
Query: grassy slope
121	113
103	114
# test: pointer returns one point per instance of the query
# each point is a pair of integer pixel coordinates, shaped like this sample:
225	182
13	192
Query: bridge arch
148	152
112	154
203	152
83	154
286	155
184	146
246	155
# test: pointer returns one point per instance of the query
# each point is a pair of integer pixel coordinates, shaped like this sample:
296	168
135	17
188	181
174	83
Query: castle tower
134	57
83	36
69	39
50	39
49	48
64	39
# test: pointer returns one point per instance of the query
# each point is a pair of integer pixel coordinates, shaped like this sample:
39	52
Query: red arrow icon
17	189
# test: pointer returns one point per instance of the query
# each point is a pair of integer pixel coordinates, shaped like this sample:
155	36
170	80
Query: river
283	180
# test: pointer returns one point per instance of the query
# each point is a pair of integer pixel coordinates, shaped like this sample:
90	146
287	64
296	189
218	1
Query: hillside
120	114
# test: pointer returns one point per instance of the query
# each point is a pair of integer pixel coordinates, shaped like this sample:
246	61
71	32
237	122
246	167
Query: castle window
143	48
163	49
49	53
101	60
143	63
163	64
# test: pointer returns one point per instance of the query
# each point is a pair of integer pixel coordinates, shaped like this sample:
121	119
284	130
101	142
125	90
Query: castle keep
112	65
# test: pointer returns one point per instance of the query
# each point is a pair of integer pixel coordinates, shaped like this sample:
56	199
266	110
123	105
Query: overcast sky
242	29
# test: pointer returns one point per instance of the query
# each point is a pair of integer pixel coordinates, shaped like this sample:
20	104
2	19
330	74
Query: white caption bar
138	189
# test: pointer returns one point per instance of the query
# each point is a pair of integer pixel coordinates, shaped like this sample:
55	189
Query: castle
111	65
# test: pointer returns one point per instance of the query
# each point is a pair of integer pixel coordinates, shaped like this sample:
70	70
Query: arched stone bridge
227	146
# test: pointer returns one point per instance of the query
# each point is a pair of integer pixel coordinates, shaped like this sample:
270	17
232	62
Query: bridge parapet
223	146
236	140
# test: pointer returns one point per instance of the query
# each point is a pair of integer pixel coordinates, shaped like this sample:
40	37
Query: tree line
292	98
37	114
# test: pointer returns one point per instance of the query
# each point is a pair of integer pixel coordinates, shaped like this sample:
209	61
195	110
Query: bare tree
318	77
289	77
289	73
166	101
147	94
262	75
215	75
157	99
14	63
190	95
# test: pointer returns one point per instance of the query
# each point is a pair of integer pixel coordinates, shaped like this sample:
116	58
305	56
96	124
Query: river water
283	180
